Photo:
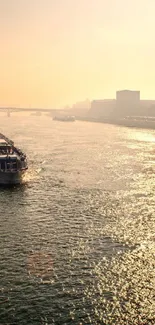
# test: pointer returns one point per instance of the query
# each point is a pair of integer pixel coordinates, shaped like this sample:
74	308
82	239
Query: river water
77	243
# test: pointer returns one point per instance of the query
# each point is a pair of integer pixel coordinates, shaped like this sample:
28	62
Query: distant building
127	102
102	108
85	104
147	107
81	108
128	95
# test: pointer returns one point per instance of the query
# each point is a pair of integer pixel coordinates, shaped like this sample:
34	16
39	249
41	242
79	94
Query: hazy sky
54	52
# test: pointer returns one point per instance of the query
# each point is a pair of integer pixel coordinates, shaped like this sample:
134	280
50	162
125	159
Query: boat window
2	165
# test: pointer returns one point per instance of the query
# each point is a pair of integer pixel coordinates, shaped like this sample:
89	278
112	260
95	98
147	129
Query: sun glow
57	52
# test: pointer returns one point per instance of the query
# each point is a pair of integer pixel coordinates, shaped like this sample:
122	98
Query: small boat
65	118
13	162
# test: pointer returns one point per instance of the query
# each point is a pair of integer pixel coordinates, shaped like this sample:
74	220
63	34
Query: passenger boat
13	162
66	118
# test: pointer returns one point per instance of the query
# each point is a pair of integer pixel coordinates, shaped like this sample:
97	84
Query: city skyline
54	53
87	102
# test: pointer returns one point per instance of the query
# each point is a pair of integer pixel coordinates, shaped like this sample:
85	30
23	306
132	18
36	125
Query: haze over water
77	238
55	53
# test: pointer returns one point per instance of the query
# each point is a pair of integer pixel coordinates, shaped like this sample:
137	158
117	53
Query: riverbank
143	123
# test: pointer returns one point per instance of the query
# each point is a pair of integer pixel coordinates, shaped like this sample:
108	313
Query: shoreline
125	122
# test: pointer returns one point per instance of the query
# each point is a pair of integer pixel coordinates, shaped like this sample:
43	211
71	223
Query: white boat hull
11	178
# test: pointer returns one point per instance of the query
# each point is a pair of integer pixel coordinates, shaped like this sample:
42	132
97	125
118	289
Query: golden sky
56	52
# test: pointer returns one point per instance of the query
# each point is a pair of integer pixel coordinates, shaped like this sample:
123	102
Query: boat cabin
8	163
5	148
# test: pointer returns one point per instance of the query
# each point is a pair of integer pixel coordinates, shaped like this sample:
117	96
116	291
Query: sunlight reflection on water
77	240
